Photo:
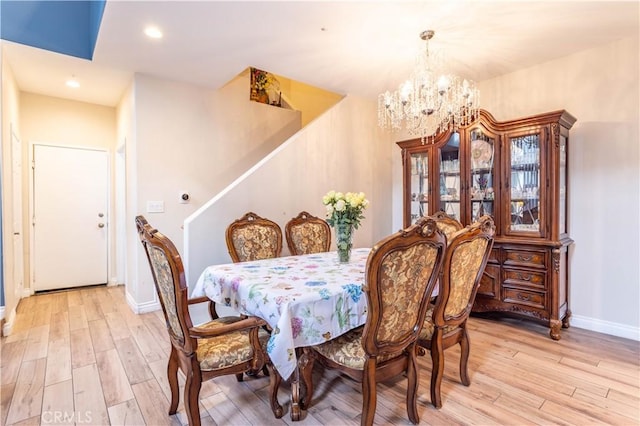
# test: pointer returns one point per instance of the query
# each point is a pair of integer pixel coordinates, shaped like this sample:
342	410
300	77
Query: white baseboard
142	308
113	282
8	324
27	292
1	312
606	327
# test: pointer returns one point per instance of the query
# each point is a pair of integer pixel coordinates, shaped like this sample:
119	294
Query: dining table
306	300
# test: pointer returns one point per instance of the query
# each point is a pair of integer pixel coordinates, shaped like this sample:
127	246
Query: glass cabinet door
562	186
481	186
419	186
525	185
449	177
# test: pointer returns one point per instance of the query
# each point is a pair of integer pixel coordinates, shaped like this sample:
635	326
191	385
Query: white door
16	182
70	195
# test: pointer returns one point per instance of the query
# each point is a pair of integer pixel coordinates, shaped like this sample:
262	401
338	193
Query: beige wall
600	88
9	120
311	100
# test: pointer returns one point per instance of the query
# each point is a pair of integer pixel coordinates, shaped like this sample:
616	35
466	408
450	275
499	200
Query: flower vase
344	234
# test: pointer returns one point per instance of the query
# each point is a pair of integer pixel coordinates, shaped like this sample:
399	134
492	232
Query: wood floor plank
92	309
223	411
134	363
126	413
58	361
33	421
115	385
592	383
153	404
12	356
117	326
74	298
246	400
532	414
6	394
150	348
57	405
627	399
59	327
611	405
576	417
77	317
100	335
42	314
27	394
38	343
88	395
81	348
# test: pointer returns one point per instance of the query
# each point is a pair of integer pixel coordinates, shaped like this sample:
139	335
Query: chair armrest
204	299
245	324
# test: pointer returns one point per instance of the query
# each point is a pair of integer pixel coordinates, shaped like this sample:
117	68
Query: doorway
70	217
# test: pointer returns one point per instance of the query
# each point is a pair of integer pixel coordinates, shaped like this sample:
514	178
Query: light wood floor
83	357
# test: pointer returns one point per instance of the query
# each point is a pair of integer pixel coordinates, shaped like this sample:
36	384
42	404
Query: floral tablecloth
305	299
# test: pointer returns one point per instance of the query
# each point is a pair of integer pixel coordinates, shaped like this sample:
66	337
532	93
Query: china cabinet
515	171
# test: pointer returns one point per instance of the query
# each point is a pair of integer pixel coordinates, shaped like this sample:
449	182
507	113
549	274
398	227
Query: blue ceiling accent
68	27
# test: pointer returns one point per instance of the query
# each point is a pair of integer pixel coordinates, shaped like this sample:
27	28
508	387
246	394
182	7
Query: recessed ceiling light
153	32
73	83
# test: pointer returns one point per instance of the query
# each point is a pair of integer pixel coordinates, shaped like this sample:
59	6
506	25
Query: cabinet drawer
533	299
524	278
536	259
493	256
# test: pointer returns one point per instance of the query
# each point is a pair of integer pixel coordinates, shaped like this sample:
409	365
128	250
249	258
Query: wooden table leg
274	384
295	396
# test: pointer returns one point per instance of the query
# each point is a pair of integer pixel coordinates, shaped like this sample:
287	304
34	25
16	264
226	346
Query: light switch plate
155	206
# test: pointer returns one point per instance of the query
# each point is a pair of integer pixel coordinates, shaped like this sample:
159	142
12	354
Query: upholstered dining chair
307	234
446	223
400	274
446	320
253	238
222	346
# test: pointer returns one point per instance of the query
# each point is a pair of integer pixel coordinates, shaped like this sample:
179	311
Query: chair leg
368	393
437	369
191	398
240	377
464	357
172	376
412	387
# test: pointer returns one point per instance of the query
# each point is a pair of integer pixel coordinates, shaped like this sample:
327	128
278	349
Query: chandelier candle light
431	101
344	213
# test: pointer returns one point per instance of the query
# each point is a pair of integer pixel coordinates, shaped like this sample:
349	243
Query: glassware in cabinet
525	183
449	177
482	191
419	186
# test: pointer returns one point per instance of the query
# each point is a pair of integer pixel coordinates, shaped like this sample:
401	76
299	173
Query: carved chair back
307	234
400	275
465	259
253	238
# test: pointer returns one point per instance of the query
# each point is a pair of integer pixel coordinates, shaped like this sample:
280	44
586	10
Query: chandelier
430	102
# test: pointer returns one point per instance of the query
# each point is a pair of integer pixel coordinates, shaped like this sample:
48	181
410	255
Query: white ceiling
349	47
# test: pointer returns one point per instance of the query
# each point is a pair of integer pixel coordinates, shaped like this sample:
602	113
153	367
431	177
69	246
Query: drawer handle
524	258
524	298
524	277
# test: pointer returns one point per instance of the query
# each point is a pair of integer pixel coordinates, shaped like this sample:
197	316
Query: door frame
17	226
110	216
